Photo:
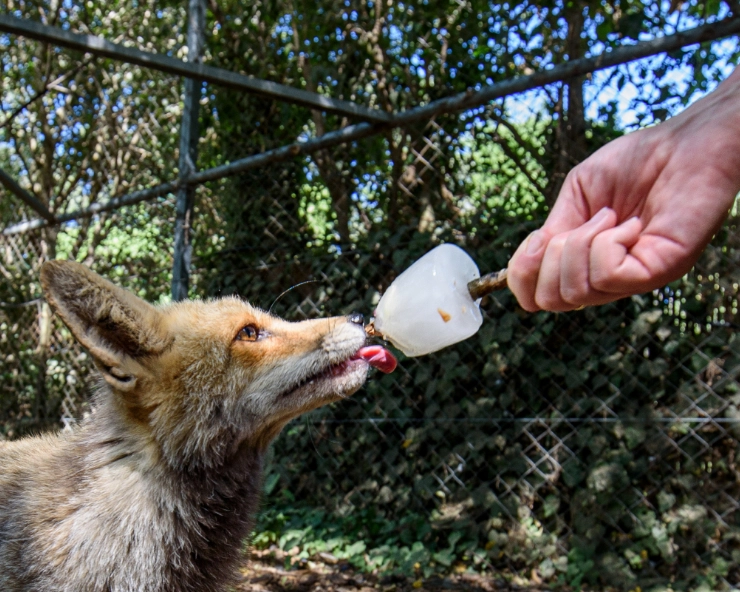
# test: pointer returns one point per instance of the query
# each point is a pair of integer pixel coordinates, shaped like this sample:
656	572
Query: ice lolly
429	305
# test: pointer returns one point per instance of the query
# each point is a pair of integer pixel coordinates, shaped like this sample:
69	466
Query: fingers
575	286
568	213
524	268
586	266
612	269
563	282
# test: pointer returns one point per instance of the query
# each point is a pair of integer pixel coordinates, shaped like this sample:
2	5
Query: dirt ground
265	572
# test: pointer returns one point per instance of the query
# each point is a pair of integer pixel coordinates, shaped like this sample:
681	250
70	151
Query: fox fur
157	488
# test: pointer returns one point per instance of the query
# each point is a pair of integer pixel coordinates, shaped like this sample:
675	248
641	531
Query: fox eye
248	333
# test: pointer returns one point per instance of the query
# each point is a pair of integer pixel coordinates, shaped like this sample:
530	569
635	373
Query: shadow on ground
263	573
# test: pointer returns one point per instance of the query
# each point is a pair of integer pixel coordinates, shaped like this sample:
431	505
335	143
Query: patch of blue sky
603	89
395	35
284	26
396	43
632	103
524	106
369	187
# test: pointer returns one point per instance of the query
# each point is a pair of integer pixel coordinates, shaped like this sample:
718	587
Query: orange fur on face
156	489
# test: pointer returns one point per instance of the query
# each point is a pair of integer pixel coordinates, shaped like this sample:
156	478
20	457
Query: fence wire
595	447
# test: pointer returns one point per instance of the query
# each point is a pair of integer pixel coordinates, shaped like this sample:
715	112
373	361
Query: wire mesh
592	447
596	446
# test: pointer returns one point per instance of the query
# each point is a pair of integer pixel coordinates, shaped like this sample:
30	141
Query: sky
602	90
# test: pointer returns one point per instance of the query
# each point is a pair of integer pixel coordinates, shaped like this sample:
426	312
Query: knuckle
518	280
578	178
520	275
602	241
559	240
515	280
572	178
548	301
574	294
529	306
575	242
602	279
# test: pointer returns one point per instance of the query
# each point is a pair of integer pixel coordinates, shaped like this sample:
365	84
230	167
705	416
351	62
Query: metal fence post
188	155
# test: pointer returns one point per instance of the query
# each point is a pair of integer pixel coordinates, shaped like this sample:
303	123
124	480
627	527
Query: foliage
547	444
619	503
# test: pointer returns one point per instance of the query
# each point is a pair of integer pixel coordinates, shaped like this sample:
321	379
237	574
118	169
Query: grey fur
157	488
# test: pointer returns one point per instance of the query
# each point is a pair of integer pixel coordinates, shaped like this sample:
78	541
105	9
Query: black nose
357	318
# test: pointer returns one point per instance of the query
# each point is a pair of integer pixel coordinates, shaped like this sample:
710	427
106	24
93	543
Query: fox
157	488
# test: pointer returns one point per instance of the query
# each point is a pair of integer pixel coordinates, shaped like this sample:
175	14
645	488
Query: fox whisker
293	287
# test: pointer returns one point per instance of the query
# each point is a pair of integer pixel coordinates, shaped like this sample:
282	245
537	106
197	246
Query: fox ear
113	324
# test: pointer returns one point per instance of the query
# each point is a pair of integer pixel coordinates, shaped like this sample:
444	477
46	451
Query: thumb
612	268
566	214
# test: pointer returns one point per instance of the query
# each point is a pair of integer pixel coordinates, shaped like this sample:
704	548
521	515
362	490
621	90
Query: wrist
727	118
724	103
711	126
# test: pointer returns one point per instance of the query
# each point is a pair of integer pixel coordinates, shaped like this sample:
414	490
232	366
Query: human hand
637	213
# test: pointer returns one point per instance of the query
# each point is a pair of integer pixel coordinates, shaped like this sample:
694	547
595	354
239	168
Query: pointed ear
113	324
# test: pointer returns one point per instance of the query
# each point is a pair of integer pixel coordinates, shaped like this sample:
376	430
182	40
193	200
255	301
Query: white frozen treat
428	306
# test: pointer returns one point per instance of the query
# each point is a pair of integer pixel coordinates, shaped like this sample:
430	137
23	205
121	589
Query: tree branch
45	89
524	144
514	157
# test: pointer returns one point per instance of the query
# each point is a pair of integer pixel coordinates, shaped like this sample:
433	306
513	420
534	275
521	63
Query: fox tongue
378	357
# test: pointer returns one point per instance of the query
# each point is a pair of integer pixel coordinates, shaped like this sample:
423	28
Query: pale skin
637	213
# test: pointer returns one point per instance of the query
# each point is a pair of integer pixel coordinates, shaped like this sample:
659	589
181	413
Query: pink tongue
378	357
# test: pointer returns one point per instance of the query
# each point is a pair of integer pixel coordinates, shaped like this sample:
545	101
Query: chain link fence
595	448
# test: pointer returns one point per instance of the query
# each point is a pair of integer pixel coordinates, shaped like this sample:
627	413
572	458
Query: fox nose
356	318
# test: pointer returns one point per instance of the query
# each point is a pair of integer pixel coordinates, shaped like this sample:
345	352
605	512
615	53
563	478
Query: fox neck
222	504
207	510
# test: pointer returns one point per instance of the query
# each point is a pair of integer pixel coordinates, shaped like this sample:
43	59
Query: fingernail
534	243
600	215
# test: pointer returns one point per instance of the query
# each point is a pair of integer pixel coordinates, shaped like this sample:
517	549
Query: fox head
197	380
